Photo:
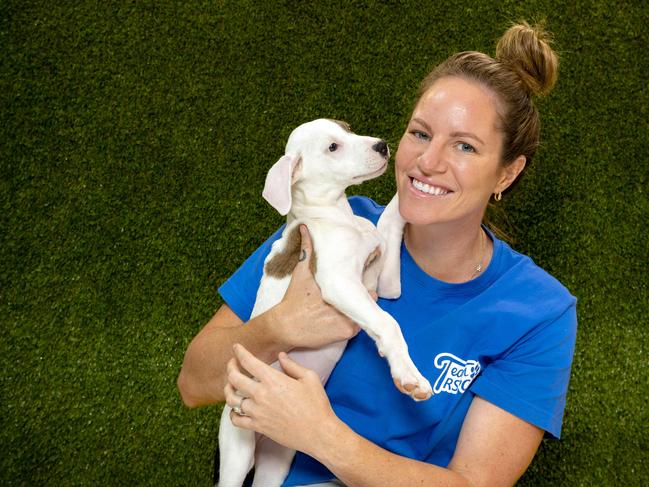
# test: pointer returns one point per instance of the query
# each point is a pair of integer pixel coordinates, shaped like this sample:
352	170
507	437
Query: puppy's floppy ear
280	178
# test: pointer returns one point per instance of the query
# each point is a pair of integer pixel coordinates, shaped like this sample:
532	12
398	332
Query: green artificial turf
134	141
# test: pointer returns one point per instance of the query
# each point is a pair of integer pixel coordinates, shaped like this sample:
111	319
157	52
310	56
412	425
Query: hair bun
526	49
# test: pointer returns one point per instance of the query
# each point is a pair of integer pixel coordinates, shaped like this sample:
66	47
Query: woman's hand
290	407
306	320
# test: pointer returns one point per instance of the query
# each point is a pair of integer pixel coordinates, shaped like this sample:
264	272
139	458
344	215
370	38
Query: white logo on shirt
457	374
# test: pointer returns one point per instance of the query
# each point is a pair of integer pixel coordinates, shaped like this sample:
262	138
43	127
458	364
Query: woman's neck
449	252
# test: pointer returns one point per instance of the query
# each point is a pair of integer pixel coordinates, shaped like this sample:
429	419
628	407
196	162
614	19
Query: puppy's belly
321	360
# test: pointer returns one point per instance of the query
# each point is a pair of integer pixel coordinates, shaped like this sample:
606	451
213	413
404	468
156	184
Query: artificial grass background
135	137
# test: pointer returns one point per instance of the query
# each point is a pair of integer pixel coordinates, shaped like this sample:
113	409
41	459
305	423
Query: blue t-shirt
507	336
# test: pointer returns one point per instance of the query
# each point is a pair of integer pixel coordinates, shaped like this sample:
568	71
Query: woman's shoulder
366	207
532	283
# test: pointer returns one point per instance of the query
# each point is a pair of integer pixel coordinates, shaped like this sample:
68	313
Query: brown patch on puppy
283	263
344	125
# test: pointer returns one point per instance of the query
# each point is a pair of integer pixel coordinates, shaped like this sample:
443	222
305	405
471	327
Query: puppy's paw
410	381
418	392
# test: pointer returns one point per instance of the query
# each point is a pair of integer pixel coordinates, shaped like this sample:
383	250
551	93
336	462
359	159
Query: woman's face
448	161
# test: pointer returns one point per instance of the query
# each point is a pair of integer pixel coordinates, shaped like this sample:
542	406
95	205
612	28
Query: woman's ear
510	173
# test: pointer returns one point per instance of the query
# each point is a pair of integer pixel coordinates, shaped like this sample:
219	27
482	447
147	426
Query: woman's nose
432	160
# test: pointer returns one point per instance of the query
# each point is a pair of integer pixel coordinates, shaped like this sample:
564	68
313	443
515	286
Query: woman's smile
425	189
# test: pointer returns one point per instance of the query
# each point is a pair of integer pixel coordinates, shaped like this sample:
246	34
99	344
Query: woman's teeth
425	188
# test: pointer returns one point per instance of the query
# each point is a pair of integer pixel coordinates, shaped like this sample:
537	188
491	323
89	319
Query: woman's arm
201	379
301	319
494	447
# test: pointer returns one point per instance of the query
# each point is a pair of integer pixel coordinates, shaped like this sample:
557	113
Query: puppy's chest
356	238
350	241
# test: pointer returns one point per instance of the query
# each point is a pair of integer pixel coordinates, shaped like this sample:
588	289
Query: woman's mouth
428	189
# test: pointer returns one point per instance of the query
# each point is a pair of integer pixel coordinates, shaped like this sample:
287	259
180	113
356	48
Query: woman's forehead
459	104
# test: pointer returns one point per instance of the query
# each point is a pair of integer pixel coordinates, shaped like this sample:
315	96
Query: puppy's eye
333	147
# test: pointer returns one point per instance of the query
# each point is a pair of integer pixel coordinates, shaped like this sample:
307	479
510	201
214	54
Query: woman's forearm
203	374
357	462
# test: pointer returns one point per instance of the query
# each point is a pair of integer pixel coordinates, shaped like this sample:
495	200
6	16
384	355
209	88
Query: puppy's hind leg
272	463
237	451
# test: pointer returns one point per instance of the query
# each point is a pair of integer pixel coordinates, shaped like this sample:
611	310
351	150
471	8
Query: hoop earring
498	196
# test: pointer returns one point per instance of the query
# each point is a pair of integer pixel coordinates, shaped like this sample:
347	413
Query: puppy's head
323	157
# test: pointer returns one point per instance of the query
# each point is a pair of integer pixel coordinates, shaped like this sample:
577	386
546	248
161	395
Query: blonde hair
525	65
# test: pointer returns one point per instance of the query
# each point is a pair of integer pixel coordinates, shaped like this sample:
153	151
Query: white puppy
308	183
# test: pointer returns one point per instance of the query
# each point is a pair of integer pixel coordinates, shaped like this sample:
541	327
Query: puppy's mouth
373	174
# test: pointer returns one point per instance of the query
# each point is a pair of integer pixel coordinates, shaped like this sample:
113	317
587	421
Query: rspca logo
457	374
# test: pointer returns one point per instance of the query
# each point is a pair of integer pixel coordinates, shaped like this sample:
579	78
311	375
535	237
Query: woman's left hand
291	408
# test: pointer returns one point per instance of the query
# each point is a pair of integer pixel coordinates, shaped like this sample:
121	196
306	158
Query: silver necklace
478	267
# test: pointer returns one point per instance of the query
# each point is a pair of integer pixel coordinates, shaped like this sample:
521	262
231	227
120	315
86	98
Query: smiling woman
447	166
492	331
472	133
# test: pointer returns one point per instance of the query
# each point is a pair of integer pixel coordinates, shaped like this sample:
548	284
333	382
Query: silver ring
238	410
302	256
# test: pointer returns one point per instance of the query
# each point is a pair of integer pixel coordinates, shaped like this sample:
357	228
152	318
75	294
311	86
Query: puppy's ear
280	178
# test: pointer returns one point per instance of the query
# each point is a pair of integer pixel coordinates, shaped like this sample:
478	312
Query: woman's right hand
305	319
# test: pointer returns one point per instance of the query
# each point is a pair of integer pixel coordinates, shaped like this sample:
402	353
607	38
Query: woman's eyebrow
422	123
467	134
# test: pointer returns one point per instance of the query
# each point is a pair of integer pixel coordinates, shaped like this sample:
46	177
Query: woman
491	331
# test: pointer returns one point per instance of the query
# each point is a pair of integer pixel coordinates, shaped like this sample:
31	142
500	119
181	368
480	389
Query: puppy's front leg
348	295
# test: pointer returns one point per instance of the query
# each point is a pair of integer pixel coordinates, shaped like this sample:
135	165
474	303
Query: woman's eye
420	135
464	147
333	147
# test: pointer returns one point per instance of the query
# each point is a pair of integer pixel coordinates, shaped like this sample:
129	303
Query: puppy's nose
381	147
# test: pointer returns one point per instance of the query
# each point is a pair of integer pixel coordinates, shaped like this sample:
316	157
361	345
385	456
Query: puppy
307	184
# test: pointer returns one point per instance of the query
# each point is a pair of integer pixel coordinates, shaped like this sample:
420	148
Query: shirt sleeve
239	291
531	380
